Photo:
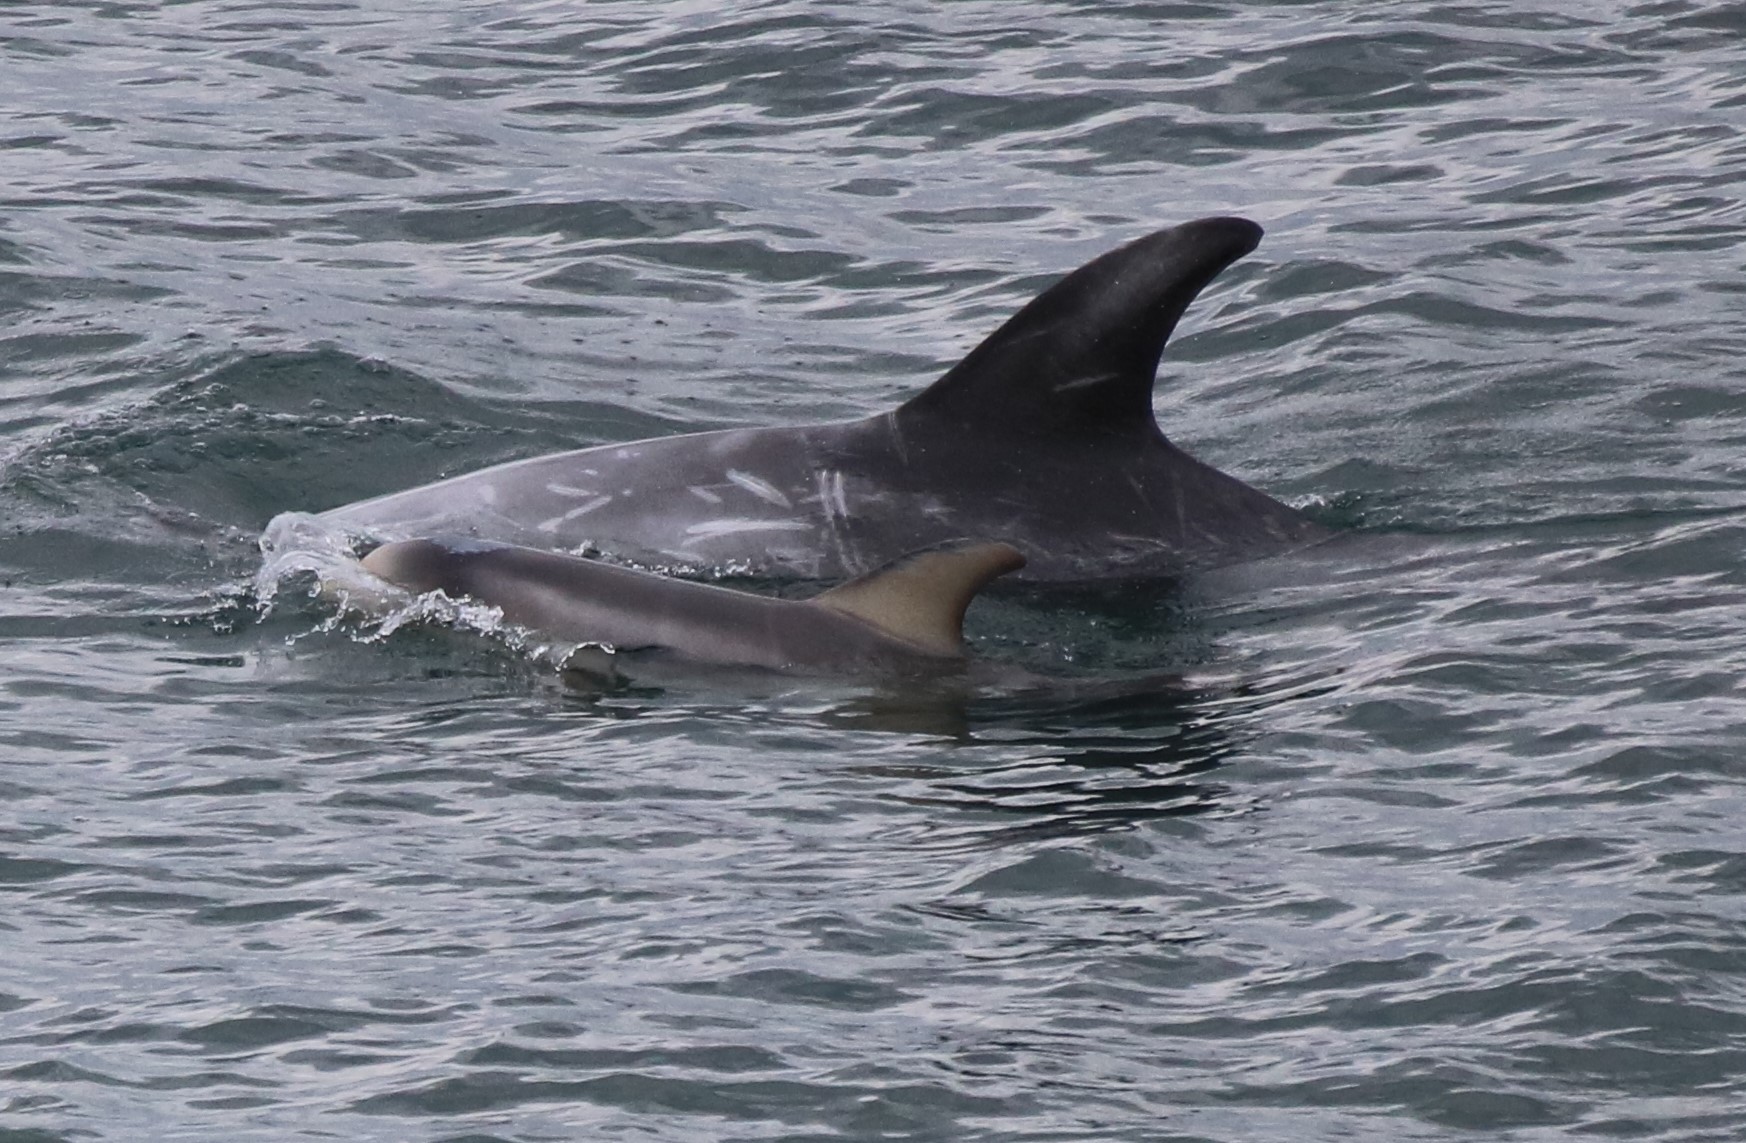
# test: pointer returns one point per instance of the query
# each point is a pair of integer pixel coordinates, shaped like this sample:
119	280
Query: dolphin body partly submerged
1043	437
904	618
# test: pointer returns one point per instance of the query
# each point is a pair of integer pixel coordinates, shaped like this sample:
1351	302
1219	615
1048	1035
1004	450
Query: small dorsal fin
920	598
1082	355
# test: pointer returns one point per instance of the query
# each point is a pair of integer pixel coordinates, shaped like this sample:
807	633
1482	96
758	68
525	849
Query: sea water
1432	834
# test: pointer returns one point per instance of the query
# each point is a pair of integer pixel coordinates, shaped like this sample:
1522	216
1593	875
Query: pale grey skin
906	618
1043	437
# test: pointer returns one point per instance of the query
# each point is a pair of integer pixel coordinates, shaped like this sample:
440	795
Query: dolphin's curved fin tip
1082	355
920	598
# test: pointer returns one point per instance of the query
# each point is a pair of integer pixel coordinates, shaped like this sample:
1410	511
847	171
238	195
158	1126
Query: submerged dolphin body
905	617
1043	437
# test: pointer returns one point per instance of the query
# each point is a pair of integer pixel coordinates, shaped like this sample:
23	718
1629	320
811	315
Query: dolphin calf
1042	437
906	617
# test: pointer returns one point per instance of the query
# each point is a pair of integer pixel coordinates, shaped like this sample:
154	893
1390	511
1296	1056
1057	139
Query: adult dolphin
1043	437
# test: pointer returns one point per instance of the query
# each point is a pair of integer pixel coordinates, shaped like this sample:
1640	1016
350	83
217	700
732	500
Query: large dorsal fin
1082	355
920	598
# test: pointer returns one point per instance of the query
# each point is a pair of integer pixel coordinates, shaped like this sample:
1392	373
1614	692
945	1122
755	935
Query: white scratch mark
840	495
557	522
833	504
1087	382
936	510
830	494
710	529
759	487
704	494
1139	491
895	427
567	490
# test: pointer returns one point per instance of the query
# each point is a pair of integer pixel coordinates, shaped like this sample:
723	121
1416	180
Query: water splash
305	559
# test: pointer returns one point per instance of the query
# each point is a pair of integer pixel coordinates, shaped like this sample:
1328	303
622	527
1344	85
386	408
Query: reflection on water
1050	757
1071	764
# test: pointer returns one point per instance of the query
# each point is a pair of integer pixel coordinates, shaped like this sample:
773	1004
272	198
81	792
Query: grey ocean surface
1437	833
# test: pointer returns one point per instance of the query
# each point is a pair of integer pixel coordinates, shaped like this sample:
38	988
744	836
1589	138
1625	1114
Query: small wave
304	559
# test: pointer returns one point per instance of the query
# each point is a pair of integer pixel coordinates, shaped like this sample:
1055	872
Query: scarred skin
1043	437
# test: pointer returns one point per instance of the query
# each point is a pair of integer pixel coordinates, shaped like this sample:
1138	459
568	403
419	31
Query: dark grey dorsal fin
920	598
1082	355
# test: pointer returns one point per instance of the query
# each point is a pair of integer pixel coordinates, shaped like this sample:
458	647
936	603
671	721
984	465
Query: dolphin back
906	614
1043	436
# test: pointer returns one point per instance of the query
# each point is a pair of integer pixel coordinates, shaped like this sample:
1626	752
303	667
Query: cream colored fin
920	598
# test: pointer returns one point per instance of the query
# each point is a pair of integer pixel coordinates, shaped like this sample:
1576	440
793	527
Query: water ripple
1432	832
